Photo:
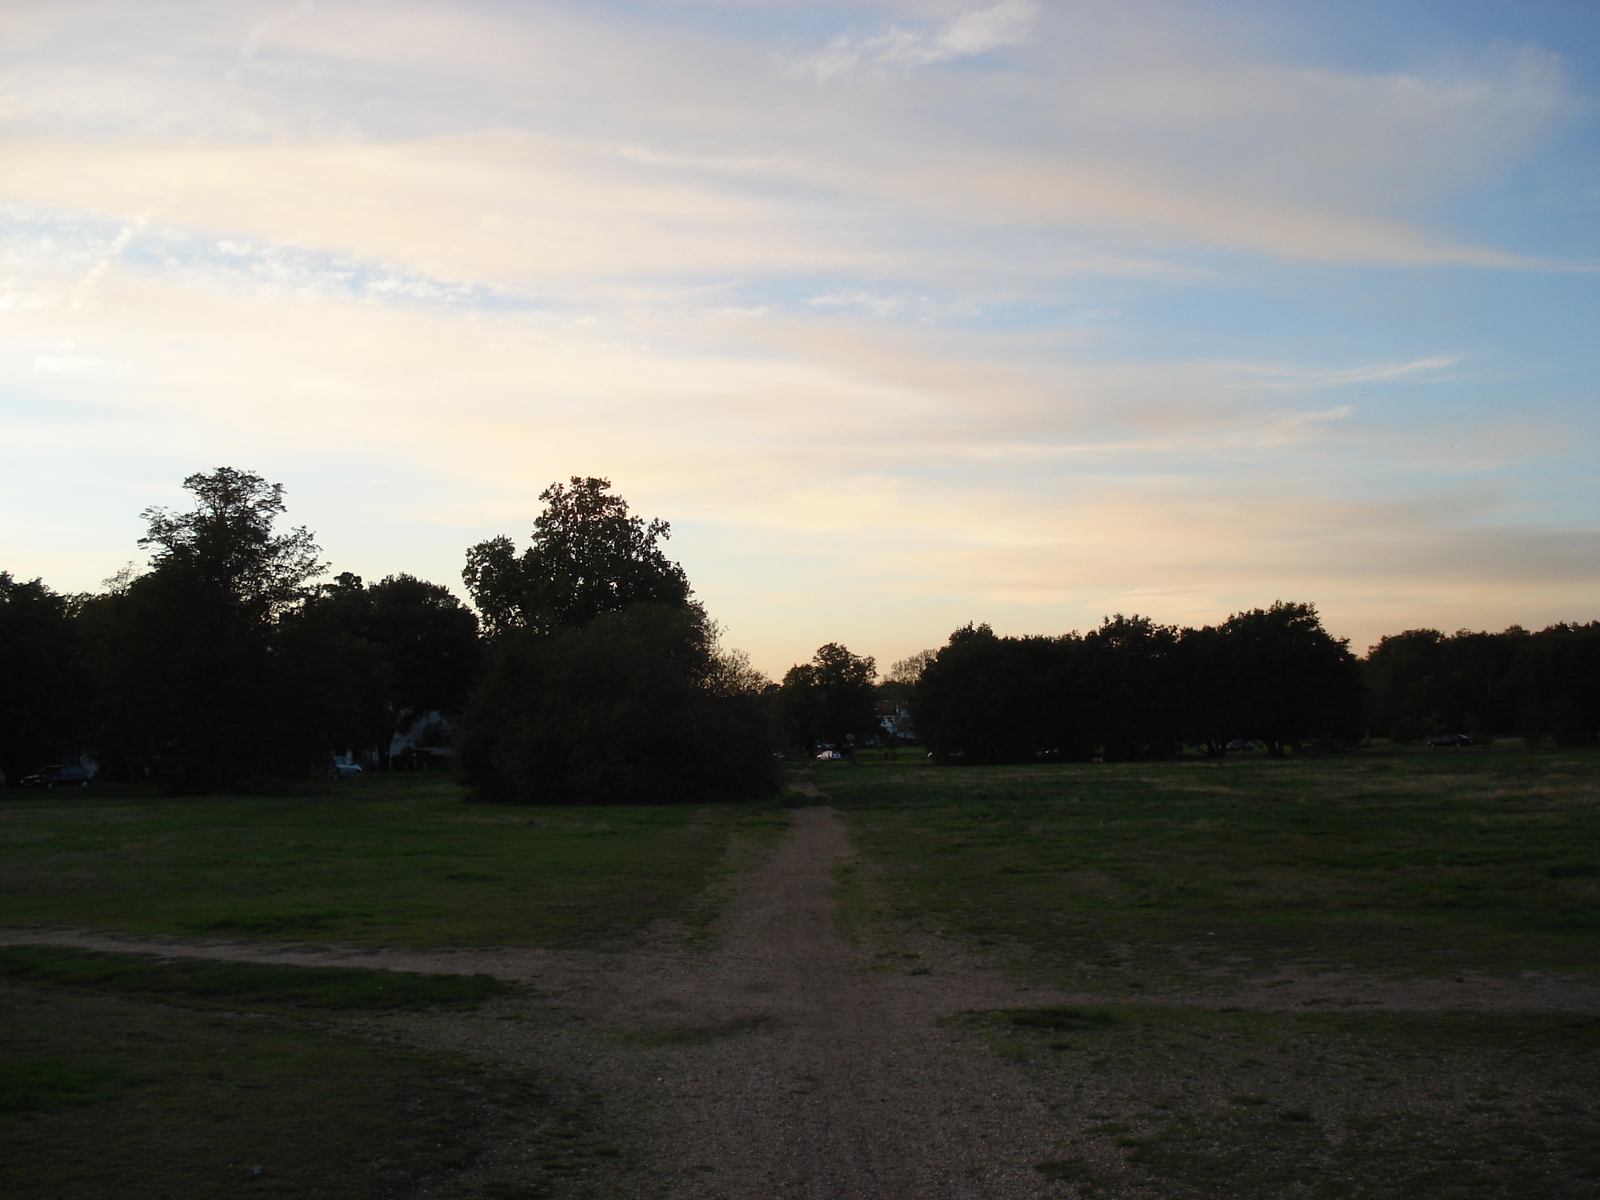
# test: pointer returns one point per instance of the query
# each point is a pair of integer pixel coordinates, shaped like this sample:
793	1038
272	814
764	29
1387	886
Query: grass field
1152	883
396	861
121	1075
125	1075
1130	876
1186	1103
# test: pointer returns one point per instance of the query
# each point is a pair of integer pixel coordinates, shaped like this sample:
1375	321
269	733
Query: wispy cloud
976	31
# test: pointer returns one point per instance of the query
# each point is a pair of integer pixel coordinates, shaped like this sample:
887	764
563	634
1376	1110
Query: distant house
431	736
895	720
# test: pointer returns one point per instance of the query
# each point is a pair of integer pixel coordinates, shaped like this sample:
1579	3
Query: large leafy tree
987	699
604	683
1424	682
225	546
831	700
1556	682
205	679
1129	666
1289	681
589	555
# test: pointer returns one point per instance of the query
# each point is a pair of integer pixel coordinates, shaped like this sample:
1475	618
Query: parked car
1240	745
59	776
829	756
1453	739
343	768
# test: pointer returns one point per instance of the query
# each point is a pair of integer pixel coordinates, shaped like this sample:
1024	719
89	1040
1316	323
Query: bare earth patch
778	1063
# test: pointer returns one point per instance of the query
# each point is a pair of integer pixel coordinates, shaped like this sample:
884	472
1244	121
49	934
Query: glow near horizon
904	315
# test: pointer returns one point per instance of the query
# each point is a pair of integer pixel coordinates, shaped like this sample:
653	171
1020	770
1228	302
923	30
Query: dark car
59	777
1452	739
1241	746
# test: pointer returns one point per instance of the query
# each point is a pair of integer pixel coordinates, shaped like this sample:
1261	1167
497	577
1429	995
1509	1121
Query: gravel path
776	1065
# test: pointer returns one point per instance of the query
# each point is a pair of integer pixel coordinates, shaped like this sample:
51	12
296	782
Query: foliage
634	707
426	638
42	698
588	556
991	699
1133	689
221	667
1539	685
226	545
205	680
1127	675
1556	680
604	684
1287	681
830	701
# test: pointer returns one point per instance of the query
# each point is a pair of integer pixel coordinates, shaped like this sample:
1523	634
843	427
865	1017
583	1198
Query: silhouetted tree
990	699
1291	682
831	700
588	556
42	700
1129	666
603	682
203	681
1208	691
1556	684
1425	683
1133	689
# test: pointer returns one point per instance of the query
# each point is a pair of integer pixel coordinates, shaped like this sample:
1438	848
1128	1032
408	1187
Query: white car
829	756
343	768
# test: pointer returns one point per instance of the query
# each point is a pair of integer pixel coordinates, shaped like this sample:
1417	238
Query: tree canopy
831	700
224	665
604	683
588	555
204	678
1134	689
226	543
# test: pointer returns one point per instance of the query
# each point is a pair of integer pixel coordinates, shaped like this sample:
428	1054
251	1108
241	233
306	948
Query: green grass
1112	876
250	984
30	1085
105	1096
385	861
1187	1102
123	1075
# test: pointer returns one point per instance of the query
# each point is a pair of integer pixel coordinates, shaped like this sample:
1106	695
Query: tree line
1273	677
585	671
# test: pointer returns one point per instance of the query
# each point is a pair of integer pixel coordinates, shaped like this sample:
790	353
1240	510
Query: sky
903	314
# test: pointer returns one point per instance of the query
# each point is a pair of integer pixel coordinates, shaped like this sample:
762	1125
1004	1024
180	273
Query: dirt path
776	1065
830	1081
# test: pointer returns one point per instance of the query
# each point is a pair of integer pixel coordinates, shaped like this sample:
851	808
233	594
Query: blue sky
904	314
